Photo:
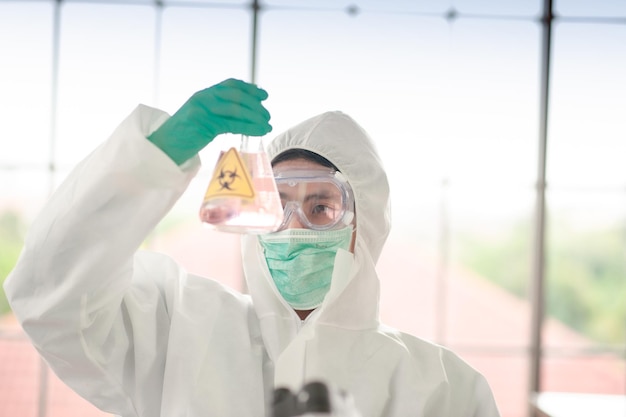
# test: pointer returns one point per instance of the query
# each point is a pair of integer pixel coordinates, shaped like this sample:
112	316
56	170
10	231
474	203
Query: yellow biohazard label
230	178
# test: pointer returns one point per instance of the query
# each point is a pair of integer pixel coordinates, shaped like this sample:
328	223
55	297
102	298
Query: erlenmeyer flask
242	196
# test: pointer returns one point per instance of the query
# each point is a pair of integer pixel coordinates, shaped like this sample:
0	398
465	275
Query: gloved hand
232	106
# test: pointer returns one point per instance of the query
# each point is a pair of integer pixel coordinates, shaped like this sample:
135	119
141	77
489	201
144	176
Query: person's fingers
239	91
233	84
241	100
236	119
233	106
235	111
249	129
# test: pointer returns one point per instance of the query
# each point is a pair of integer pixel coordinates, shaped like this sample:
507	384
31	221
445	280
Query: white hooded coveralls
136	335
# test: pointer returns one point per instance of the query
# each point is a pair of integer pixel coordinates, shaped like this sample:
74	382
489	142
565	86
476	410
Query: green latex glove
232	106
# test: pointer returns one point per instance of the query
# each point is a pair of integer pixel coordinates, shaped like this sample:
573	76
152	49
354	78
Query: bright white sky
444	102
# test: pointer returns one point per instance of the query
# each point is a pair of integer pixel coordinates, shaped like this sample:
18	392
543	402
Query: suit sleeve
94	309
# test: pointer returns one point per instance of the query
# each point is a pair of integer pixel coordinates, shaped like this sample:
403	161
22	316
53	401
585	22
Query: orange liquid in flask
242	195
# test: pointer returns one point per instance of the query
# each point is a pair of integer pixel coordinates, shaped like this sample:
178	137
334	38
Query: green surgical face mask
301	263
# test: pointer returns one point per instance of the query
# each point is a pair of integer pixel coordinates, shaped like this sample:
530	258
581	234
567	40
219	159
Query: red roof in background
21	369
477	314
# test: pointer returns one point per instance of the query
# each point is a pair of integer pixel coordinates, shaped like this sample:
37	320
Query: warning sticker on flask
230	178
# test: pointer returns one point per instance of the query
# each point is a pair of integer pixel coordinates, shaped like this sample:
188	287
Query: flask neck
252	144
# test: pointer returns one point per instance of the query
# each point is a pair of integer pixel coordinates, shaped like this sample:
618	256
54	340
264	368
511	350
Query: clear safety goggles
321	199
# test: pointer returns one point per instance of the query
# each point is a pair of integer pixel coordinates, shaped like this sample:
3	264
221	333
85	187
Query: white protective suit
137	335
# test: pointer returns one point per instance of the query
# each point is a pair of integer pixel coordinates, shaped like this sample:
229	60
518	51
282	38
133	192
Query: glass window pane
507	373
491	235
408	300
199	48
208	3
530	8
19	361
606	8
26	187
146	2
364	6
491	97
441	7
103	73
25	73
587	102
585	285
598	374
459	91
414	243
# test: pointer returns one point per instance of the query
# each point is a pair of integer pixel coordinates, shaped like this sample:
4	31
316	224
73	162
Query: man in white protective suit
136	335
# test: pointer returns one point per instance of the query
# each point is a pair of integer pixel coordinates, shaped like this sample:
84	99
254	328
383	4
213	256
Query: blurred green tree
585	273
11	241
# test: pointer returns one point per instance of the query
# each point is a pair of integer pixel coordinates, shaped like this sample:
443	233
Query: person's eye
320	209
324	211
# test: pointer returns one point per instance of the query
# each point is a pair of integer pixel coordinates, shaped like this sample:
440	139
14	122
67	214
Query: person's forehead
299	163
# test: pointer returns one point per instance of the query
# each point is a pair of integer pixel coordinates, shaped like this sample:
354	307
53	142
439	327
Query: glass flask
242	195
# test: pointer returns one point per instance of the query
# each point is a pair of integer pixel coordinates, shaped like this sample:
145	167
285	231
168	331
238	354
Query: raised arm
96	311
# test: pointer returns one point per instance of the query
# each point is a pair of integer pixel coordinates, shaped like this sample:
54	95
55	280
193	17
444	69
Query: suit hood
352	301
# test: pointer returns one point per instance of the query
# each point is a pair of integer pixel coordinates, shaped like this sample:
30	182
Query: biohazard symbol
230	178
227	179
